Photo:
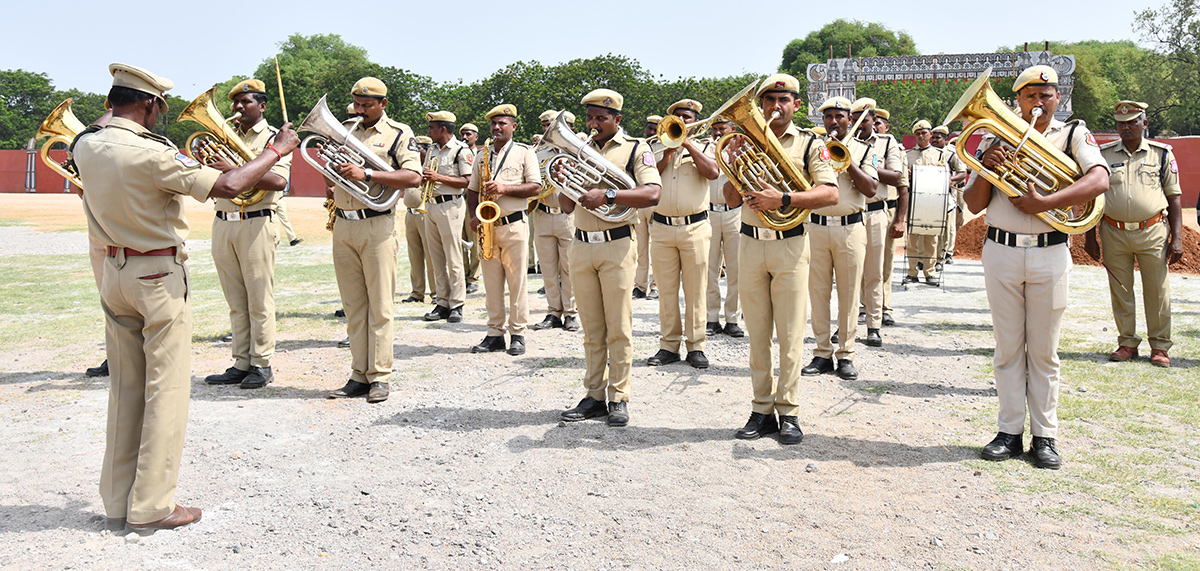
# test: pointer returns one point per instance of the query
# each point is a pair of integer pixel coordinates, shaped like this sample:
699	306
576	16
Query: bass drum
929	200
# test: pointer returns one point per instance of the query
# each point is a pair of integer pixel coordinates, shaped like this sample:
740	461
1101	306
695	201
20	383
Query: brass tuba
219	140
1033	160
761	156
62	127
584	168
337	147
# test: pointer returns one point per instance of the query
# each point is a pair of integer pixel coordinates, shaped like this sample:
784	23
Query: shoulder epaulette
1111	144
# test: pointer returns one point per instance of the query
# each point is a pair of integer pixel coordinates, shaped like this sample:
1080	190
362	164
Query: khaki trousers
724	247
836	250
364	260
553	236
922	249
96	257
531	257
420	264
889	262
1119	248
877	226
954	221
644	278
148	333
244	253
470	254
507	266
681	252
284	221
603	278
443	233
773	283
1027	292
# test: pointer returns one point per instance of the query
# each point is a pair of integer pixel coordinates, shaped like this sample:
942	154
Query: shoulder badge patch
376	144
1174	166
1091	140
412	144
875	160
825	154
648	158
186	161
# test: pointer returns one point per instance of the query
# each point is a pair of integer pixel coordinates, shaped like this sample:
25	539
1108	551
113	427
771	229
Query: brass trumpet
672	131
839	151
487	211
220	140
62	127
1033	158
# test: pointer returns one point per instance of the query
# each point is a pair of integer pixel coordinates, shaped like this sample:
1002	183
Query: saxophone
488	212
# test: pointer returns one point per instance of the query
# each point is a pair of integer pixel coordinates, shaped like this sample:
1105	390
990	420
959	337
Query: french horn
62	127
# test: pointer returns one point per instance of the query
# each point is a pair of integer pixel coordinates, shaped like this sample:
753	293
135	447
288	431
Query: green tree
25	100
847	37
312	66
1174	31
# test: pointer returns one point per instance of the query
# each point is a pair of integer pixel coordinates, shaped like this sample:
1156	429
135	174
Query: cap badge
1045	76
608	100
365	90
779	84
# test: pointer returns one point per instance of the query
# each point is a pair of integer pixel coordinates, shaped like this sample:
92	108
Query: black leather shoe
618	413
818	366
231	376
438	313
712	328
339	313
351	390
489	345
455	315
697	359
789	430
542	290
759	425
873	338
888	320
344	343
663	357
938	267
472	288
834	338
652	294
587	408
570	323
1044	454
638	293
296	242
516	345
732	330
227	338
550	322
949	260
933	280
378	392
862	318
101	371
1002	447
910	280
413	299
846	370
258	378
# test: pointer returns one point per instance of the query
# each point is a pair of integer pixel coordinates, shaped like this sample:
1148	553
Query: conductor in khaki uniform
552	236
680	236
365	243
1144	185
1026	264
512	178
897	214
135	182
725	221
773	267
603	260
469	134
839	244
243	249
643	279
445	210
878	220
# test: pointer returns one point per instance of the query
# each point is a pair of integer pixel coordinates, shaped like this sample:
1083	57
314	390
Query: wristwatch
611	196
368	172
787	199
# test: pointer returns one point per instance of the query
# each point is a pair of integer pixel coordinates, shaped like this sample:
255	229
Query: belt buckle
1131	225
1026	240
765	234
677	220
352	215
233	216
594	237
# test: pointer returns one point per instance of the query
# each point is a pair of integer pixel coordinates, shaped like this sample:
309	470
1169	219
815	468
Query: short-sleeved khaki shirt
796	143
380	138
891	156
684	189
716	188
134	183
1140	182
515	163
622	151
256	139
454	160
850	200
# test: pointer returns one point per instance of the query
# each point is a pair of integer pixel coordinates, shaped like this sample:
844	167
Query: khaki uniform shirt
795	143
850	200
684	189
716	188
379	138
454	160
891	156
1140	181
257	139
1000	211
619	150
515	163
135	182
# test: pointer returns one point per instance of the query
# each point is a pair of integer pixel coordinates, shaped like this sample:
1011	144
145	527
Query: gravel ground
468	466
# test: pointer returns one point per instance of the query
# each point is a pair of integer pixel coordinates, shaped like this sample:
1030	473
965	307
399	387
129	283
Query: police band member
243	248
922	249
512	180
725	221
1026	264
444	213
469	134
1143	192
365	243
603	260
135	182
680	237
879	222
939	137
552	236
898	215
643	279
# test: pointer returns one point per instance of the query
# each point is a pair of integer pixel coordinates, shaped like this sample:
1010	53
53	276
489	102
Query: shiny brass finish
338	147
62	127
839	151
487	211
427	186
1032	158
220	140
672	131
759	156
582	168
329	205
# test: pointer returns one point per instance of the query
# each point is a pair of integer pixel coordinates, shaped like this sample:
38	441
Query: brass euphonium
337	147
584	168
1032	158
487	211
62	127
219	140
839	151
543	153
760	156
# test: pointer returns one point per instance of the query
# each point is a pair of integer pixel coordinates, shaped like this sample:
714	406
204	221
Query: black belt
548	210
769	234
722	207
514	217
680	220
602	236
880	205
1014	240
361	214
235	216
445	198
836	220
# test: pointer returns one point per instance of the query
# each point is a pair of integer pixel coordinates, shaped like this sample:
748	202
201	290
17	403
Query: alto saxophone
488	212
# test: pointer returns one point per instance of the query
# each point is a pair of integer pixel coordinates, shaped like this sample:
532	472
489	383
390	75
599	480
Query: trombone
839	152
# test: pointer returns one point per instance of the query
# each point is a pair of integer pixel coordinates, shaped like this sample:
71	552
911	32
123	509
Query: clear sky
74	41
